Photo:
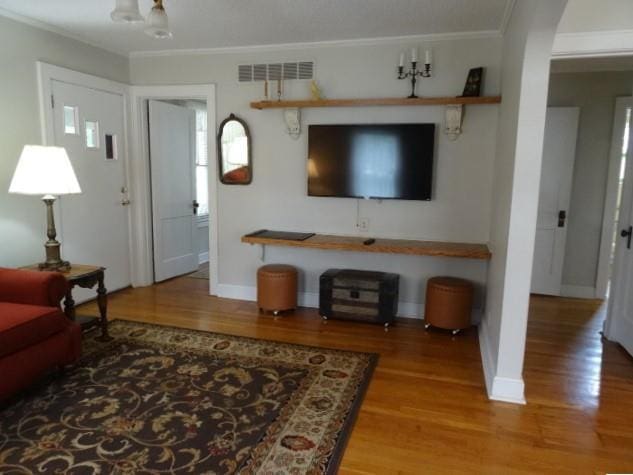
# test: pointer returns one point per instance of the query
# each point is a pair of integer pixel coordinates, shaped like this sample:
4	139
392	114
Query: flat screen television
381	161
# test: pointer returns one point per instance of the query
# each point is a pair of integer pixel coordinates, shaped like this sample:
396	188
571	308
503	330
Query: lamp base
53	255
61	266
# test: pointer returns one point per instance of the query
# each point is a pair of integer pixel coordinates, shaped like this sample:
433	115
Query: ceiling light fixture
157	22
126	11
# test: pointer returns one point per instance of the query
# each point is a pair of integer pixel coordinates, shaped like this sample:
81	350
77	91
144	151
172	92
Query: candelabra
413	73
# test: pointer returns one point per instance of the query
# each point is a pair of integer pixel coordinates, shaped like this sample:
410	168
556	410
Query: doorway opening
176	225
583	201
573	315
178	157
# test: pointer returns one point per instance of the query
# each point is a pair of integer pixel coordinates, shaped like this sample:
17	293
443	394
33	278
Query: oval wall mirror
234	152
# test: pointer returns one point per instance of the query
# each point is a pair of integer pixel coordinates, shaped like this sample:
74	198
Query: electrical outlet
363	224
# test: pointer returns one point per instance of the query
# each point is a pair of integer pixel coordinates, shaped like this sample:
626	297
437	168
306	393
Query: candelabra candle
414	73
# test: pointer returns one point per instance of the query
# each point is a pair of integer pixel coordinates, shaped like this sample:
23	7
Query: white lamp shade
126	11
44	171
158	23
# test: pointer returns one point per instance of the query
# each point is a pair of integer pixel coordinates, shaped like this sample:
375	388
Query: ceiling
202	24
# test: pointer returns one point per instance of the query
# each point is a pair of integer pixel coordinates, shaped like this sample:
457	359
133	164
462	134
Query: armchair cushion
32	287
25	325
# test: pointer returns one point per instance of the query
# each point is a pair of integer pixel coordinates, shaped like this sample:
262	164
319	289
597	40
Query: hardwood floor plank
426	409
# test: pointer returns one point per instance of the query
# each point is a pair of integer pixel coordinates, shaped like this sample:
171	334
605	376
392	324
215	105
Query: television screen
383	161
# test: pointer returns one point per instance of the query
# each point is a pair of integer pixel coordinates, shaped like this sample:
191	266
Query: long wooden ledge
387	246
384	101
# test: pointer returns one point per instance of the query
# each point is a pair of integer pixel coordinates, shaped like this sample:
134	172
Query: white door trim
611	195
46	73
142	229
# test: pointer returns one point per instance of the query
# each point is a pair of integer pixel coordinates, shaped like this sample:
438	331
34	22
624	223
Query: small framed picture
473	83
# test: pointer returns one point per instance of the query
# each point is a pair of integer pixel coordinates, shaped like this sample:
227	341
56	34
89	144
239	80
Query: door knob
627	233
125	202
562	216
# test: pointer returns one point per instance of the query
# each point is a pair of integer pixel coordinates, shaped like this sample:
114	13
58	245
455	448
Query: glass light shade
44	171
126	11
158	23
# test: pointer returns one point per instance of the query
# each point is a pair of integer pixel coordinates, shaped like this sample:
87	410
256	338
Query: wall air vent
306	70
245	72
259	72
275	71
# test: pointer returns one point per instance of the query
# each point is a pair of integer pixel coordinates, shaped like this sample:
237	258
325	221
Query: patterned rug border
350	418
370	354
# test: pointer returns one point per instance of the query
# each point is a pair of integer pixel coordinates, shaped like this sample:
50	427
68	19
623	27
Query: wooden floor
426	410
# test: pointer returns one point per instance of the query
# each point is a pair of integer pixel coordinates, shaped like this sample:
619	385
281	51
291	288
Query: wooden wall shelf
387	246
388	101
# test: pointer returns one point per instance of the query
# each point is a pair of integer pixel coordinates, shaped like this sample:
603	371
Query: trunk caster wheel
275	312
455	332
323	317
386	327
427	326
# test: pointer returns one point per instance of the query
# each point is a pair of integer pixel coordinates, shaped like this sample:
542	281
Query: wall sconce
453	121
292	117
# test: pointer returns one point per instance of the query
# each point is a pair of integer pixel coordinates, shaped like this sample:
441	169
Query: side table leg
69	304
102	302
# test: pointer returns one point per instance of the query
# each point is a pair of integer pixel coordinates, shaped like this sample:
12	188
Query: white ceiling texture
209	24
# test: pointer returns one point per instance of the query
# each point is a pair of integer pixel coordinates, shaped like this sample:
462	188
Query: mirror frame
232	117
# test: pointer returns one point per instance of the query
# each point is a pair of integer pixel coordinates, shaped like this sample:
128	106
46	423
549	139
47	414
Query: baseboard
499	388
578	291
237	292
203	257
508	390
487	360
308	299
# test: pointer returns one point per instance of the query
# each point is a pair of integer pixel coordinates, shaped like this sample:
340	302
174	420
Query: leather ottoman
449	303
276	288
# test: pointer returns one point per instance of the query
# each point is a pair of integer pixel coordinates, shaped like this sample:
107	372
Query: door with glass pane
93	226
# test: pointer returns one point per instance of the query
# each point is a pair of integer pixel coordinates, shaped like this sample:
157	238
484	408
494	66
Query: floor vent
275	71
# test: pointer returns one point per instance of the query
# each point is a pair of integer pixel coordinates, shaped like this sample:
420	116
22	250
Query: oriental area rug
164	400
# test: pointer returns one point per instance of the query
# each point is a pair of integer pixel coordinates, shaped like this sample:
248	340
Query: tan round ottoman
449	303
276	288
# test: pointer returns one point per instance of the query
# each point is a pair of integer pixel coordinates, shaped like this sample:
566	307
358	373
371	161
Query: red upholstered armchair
35	335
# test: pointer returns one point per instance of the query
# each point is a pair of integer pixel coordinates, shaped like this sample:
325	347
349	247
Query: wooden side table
86	277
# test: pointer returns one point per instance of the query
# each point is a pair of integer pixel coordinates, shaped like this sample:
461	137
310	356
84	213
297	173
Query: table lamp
46	171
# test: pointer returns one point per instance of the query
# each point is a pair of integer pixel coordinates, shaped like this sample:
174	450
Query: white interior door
619	325
94	225
172	157
559	152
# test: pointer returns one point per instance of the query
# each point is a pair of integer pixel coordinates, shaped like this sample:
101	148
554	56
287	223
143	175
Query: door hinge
52	101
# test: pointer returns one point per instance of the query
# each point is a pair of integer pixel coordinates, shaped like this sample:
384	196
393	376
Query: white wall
524	77
277	198
595	94
592	15
22	218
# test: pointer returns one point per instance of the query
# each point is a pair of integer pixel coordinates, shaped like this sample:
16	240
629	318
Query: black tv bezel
378	198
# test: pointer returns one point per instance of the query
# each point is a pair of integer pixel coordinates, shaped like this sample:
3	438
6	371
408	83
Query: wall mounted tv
381	161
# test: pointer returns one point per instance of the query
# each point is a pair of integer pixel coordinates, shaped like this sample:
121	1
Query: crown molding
40	25
593	44
466	35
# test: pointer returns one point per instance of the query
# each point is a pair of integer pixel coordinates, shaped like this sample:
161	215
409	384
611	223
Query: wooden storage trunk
362	296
